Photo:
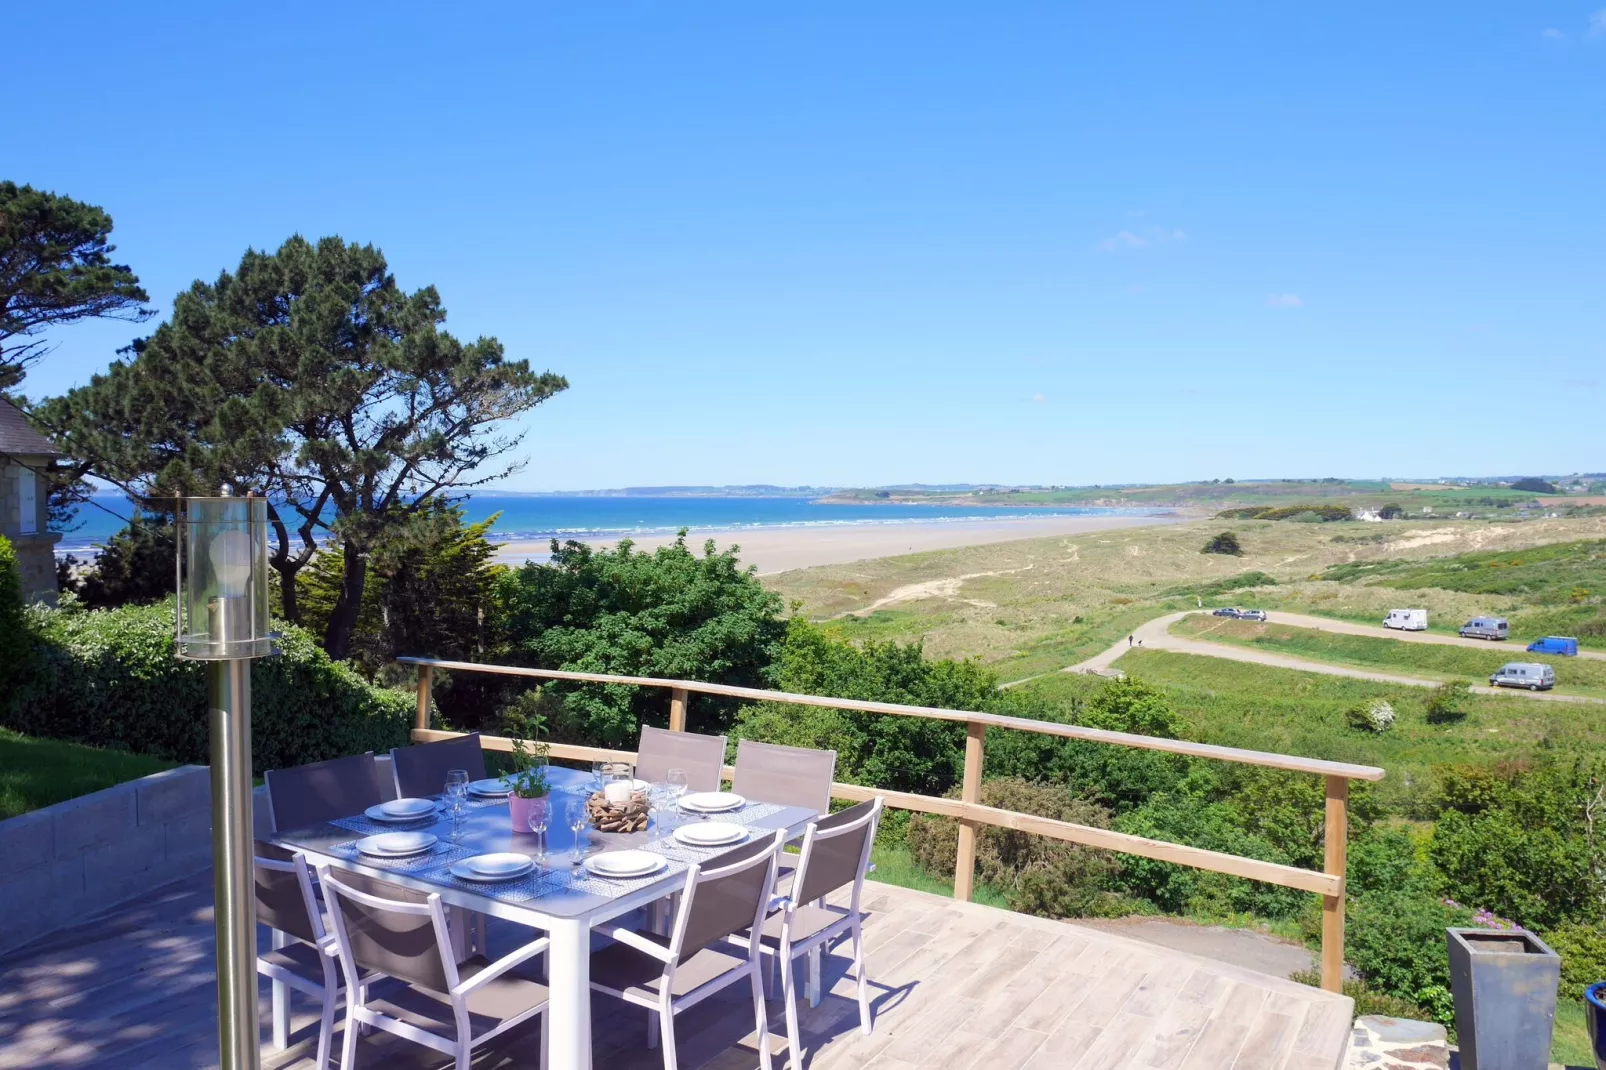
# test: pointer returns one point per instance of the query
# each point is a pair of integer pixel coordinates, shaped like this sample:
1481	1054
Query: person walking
1129	641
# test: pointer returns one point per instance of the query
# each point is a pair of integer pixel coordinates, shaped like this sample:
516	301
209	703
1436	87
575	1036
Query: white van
1407	620
1532	675
1492	628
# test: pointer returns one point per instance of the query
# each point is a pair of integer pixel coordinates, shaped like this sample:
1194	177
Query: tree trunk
289	606
343	620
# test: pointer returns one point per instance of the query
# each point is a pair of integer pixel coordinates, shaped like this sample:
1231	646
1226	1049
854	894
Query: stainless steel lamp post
223	620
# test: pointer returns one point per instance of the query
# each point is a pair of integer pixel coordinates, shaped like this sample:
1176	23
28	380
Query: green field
1438	661
39	772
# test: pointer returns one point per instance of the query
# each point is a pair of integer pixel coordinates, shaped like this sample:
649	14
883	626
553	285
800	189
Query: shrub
1395	941
109	678
1583	957
1391	511
1047	877
1223	543
1376	715
14	642
1368	1001
1444	703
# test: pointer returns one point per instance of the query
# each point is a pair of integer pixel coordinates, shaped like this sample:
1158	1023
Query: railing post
970	792
677	709
1334	862
424	681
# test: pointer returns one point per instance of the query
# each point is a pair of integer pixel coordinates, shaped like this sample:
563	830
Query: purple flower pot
521	810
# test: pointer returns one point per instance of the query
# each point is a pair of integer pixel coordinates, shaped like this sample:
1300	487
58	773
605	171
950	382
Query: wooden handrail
968	810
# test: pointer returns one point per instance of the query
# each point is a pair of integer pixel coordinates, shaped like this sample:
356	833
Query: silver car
1530	674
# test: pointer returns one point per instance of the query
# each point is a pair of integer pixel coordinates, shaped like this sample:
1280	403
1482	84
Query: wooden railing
968	810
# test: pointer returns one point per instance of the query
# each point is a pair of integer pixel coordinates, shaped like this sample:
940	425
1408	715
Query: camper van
1532	675
1485	628
1565	645
1407	620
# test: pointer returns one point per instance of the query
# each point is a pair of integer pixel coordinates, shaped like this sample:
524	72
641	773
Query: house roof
17	436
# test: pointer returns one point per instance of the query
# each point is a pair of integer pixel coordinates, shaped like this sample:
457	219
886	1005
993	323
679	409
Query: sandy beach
782	548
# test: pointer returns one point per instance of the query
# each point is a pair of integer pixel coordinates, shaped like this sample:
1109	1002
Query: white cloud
1597	23
1553	34
1038	399
1284	301
1145	238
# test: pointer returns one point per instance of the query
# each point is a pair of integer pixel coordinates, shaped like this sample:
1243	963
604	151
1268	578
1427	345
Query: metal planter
1504	983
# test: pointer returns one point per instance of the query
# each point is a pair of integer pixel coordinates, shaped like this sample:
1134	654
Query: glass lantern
223	579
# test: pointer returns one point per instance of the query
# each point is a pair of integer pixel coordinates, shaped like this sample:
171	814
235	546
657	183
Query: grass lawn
896	866
1574	676
39	772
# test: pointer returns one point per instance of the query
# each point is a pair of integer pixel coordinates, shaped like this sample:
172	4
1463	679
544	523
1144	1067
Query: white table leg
569	1013
812	986
281	998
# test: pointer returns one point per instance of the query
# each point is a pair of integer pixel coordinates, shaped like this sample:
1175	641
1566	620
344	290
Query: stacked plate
490	788
396	844
493	867
622	865
710	834
712	802
401	811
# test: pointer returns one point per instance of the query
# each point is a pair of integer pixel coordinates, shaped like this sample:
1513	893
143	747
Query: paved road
1326	624
1156	635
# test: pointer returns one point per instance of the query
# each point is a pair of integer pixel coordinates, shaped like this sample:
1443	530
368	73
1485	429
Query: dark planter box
1595	1018
1504	985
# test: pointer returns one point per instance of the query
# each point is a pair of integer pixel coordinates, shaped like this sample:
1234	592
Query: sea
539	517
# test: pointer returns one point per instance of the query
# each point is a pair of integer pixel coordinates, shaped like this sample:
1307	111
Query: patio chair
789	776
306	795
836	854
387	931
420	770
660	750
305	961
667	975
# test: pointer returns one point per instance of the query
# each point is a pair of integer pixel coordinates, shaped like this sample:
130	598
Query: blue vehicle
1564	645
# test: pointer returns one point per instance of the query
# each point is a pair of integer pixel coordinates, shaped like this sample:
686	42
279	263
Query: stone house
24	455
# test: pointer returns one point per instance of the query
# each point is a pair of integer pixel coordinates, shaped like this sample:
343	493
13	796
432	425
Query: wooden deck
955	985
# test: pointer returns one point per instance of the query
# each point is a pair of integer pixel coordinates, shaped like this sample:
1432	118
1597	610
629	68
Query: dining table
561	898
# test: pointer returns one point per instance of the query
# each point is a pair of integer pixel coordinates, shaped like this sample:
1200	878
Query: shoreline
782	548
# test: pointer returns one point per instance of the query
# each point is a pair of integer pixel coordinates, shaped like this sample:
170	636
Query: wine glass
677	787
599	773
538	823
578	819
456	798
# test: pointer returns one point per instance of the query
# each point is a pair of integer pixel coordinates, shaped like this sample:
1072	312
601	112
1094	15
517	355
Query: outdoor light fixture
223	620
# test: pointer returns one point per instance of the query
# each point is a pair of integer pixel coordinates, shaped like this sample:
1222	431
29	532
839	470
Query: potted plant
1595	1018
529	780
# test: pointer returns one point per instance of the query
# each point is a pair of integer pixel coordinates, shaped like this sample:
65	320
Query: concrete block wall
66	863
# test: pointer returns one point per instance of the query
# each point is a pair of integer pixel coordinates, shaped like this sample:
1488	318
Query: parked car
1224	612
1486	628
1565	645
1252	614
1529	674
1407	620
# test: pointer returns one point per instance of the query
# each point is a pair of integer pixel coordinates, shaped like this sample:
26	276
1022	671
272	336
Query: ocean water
526	517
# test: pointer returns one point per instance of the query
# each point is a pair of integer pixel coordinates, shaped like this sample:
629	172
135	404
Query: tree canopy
55	267
310	377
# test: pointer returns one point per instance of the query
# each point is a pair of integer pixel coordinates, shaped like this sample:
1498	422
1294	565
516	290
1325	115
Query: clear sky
866	242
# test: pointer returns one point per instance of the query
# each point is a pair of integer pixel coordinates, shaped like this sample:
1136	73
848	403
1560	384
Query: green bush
109	678
1395	941
1047	877
1583	957
1368	1001
15	647
1224	542
1445	703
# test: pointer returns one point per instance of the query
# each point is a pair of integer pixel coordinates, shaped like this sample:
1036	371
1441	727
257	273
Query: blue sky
860	243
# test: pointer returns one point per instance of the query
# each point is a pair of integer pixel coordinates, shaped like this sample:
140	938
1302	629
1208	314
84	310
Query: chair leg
348	1045
666	1030
761	1012
816	954
465	1055
865	1024
794	1035
281	997
653	1029
326	1026
545	1036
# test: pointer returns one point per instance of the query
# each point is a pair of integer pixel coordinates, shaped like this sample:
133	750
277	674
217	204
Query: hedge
109	678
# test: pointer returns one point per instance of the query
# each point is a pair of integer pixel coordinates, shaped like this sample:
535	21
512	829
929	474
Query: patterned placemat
670	847
748	814
530	886
580	879
373	828
443	853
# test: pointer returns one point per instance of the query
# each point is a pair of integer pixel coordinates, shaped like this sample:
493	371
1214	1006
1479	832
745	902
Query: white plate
621	864
495	867
396	844
401	810
490	786
713	802
710	834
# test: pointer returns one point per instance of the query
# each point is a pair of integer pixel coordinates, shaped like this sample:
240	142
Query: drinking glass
456	799
677	788
578	820
538	822
599	773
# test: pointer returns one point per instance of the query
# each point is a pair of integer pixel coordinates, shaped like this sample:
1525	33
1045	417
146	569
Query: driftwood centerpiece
628	817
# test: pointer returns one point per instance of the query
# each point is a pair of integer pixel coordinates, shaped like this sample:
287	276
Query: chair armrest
502	965
629	937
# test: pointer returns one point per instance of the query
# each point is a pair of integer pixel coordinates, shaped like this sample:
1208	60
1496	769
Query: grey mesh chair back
309	794
728	895
660	750
789	776
284	894
836	852
388	928
421	769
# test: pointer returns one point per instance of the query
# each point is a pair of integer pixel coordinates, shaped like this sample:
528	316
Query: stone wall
66	863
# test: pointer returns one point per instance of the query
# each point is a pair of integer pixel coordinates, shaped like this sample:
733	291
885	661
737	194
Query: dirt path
1327	624
1156	635
947	587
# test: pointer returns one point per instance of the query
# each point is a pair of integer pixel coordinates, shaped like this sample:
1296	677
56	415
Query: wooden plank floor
954	986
